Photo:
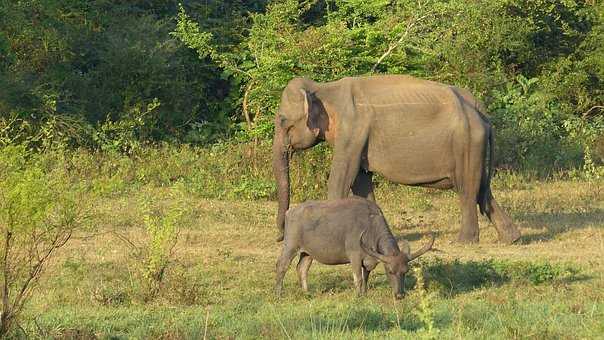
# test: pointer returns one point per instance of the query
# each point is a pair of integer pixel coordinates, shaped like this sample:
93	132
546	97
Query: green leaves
40	207
189	32
72	74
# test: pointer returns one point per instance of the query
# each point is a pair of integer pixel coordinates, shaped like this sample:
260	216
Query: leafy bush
40	209
425	311
126	134
530	129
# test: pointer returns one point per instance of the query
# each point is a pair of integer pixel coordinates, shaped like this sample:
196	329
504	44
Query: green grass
547	286
220	281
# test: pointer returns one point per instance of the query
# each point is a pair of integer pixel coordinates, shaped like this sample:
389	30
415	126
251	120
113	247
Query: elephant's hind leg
506	230
469	231
470	161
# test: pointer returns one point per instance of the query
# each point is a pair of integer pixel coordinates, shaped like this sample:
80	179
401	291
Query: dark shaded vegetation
115	76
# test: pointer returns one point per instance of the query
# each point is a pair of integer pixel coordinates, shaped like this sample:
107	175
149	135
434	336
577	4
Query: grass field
548	286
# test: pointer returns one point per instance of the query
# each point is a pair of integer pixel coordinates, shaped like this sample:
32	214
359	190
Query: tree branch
246	113
588	112
6	310
399	41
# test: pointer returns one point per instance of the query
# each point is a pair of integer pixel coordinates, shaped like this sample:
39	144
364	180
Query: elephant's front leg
344	167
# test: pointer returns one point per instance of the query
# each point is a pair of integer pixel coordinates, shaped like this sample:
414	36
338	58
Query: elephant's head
299	124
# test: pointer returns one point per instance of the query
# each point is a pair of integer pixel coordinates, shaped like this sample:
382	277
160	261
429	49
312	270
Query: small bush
161	225
125	135
536	273
40	208
425	309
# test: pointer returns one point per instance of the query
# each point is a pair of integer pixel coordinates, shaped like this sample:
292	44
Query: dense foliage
114	75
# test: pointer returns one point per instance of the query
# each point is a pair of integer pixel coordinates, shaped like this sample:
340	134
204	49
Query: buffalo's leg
357	274
363	185
507	231
302	269
283	262
365	274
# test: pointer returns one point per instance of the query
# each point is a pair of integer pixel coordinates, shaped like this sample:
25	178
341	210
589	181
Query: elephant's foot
508	234
467	237
279	236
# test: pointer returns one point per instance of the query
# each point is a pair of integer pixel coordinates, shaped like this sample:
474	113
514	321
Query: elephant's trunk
281	172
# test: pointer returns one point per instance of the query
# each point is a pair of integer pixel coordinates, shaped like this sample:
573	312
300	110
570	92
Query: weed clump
425	309
160	227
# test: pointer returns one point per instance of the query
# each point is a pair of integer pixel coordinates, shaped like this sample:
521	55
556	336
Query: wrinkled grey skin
350	230
412	131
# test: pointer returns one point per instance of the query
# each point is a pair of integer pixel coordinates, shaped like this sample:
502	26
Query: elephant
411	131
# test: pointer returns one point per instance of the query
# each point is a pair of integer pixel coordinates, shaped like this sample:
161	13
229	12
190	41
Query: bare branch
246	114
402	38
126	240
588	112
6	310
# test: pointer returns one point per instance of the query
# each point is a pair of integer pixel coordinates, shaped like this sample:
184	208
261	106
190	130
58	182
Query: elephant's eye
282	120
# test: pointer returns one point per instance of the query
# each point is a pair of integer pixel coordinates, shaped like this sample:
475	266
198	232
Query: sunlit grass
549	285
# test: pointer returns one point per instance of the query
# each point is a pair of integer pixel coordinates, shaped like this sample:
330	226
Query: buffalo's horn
424	249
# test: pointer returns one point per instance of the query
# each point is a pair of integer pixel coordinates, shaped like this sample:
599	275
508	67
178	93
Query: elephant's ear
306	100
313	113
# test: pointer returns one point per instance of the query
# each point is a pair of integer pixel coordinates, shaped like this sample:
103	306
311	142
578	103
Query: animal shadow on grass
452	278
330	281
557	223
455	277
415	236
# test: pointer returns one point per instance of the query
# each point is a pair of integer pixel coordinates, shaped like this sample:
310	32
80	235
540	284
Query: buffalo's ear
370	251
313	114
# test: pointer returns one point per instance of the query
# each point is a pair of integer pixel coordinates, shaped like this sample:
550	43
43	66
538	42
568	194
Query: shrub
530	131
161	225
39	212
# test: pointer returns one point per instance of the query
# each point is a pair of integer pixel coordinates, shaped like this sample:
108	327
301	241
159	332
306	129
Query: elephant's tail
484	194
